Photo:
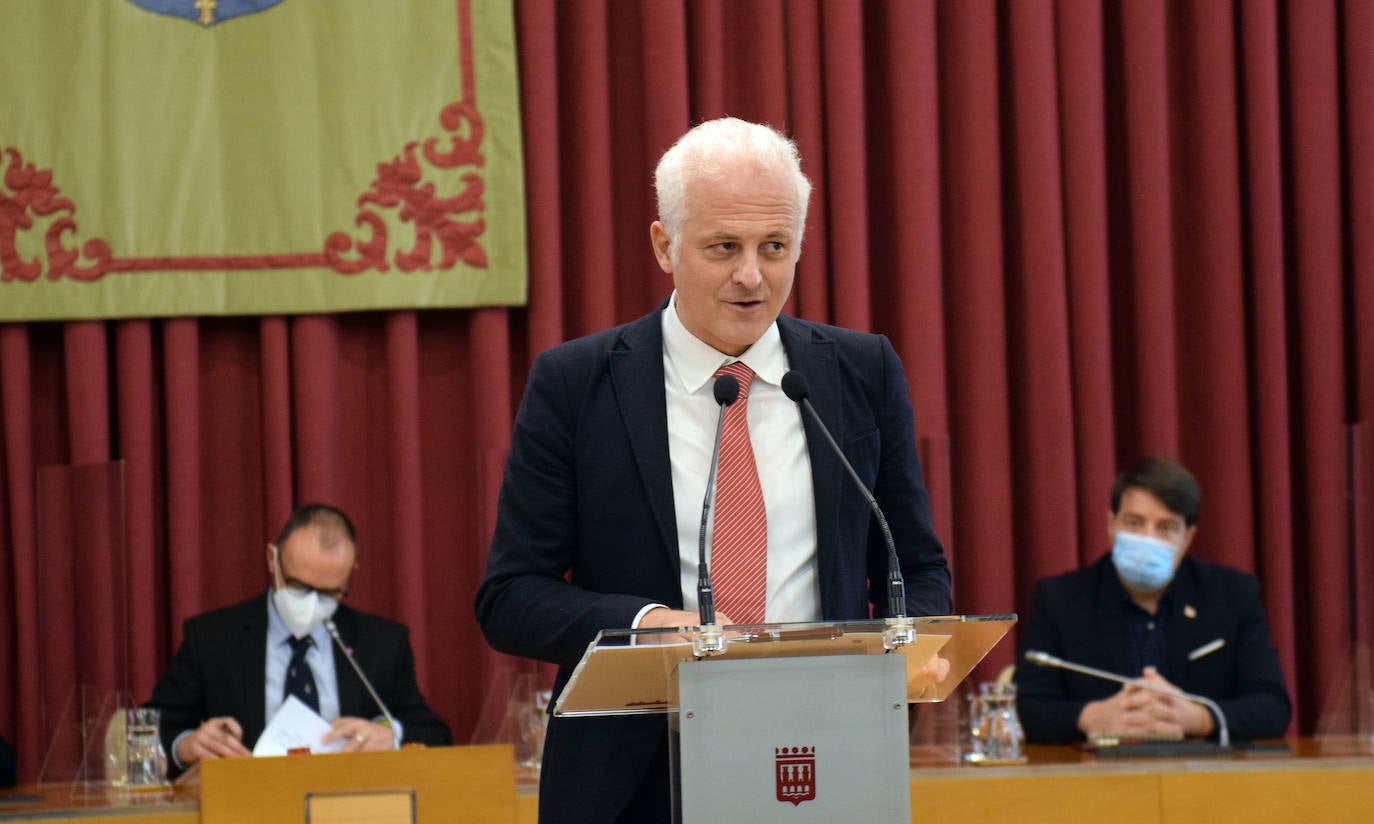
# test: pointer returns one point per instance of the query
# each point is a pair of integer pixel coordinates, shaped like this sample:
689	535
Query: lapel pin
1189	611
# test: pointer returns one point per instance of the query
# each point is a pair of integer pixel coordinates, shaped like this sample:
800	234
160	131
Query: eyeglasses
336	594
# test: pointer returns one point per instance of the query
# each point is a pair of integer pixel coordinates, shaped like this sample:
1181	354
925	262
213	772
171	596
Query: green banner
208	157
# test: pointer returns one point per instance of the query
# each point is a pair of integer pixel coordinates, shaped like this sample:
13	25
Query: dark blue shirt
1148	635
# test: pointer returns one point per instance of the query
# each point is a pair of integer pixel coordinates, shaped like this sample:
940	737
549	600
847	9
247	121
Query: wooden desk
450	783
1063	785
1060	785
31	803
468	784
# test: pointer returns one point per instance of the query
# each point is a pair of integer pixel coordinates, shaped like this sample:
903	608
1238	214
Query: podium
790	722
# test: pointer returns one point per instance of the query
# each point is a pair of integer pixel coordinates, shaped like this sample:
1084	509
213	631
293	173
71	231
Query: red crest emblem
796	773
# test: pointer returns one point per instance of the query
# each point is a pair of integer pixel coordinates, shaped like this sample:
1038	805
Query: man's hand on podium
660	617
936	669
663	617
216	738
362	735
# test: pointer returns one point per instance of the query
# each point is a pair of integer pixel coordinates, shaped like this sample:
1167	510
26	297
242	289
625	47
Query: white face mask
302	610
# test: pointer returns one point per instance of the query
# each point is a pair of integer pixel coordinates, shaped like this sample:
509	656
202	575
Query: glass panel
628	672
82	573
1346	725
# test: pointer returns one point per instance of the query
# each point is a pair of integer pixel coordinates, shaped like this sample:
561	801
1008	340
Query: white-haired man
600	508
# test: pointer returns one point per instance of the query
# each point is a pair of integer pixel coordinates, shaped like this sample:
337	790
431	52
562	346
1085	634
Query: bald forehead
326	538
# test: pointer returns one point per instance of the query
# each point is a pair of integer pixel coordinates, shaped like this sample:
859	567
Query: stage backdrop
195	157
1093	230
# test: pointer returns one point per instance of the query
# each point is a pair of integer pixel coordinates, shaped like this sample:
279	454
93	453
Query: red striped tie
739	544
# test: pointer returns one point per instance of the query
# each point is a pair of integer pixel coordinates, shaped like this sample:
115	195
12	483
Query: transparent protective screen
628	672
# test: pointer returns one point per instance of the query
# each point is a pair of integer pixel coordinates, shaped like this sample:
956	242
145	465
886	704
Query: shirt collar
697	361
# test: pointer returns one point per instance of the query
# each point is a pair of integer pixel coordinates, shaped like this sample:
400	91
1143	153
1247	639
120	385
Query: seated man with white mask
237	665
1147	610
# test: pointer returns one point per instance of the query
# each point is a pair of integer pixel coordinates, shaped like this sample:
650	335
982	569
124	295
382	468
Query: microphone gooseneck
726	391
390	719
1044	659
794	385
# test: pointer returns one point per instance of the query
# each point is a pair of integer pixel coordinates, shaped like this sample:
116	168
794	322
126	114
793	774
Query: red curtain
1093	230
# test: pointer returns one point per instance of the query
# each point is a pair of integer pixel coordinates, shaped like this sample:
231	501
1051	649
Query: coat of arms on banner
206	12
796	773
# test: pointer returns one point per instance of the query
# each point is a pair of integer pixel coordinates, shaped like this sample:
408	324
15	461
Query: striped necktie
739	543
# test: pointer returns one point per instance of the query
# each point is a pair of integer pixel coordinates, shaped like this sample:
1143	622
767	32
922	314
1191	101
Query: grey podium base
808	739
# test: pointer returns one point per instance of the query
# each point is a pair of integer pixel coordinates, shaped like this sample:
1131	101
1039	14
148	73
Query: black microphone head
794	386
726	389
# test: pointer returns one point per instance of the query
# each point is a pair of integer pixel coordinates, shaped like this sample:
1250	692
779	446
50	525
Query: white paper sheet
295	725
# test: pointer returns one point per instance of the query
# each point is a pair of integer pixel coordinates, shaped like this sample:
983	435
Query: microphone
390	719
710	641
794	385
1044	659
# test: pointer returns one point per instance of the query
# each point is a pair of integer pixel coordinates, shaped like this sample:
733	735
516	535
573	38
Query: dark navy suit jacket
221	667
588	491
1081	617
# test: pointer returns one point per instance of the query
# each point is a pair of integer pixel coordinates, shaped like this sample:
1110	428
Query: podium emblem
796	773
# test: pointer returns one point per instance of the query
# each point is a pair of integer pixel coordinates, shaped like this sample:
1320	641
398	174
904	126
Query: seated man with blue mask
1147	610
237	665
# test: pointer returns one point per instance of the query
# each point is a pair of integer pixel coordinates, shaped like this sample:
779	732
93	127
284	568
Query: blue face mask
1144	563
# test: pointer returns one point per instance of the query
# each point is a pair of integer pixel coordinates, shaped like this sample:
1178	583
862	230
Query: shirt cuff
397	729
639	616
176	742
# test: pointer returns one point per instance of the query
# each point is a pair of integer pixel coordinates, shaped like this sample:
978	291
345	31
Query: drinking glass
147	762
995	727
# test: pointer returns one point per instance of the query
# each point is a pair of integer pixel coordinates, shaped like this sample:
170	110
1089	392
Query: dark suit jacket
221	669
1080	617
588	489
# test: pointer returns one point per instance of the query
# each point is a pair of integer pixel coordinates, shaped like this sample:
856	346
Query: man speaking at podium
237	665
1146	610
612	447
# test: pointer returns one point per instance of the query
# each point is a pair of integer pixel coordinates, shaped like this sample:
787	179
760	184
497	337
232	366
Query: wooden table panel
1013	794
1281	794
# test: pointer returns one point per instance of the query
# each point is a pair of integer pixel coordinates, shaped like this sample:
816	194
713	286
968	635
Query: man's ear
663	246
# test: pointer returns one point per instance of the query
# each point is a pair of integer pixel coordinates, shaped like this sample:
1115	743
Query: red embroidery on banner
31	194
401	185
452	220
28	193
795	771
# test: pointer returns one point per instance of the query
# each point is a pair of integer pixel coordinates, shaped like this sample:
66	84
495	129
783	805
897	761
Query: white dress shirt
784	465
320	657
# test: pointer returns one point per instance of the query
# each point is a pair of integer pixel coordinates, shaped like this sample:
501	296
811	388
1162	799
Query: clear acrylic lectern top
628	672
